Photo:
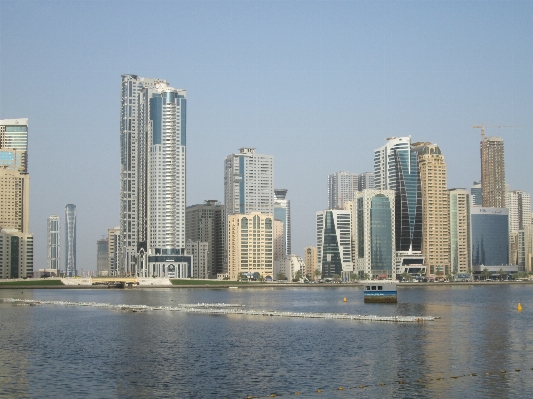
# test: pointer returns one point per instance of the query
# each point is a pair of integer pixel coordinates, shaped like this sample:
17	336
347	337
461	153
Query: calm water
62	351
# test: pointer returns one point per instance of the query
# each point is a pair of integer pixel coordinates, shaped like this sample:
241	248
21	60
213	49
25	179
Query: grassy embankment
33	283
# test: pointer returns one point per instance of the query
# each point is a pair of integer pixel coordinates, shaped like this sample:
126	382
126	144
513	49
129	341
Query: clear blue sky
317	84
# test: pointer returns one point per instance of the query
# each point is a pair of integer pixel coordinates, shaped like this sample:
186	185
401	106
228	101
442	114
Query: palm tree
501	273
317	273
485	273
281	276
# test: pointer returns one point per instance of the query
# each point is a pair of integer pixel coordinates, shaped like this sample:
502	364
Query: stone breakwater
226	309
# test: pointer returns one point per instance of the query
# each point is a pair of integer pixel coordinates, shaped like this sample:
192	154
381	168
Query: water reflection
90	352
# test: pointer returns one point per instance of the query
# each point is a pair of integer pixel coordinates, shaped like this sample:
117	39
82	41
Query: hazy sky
317	84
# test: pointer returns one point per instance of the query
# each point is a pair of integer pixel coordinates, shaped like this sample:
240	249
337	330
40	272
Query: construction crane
482	127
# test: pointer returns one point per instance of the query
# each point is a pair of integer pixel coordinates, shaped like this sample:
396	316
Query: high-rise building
250	245
14	136
476	194
282	212
206	223
490	236
396	168
16	243
113	237
102	257
365	180
15	198
493	172
278	241
460	232
333	239
519	205
54	240
373	220
153	144
16	254
249	183
435	208
70	240
341	188
310	261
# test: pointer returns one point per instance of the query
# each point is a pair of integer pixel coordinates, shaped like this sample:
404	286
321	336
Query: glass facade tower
53	259
490	236
70	240
152	145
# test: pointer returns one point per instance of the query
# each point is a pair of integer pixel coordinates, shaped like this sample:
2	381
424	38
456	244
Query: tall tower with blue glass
152	195
70	240
396	168
282	212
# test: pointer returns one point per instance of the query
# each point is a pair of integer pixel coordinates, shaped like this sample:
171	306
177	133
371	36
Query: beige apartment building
310	261
250	245
460	231
435	209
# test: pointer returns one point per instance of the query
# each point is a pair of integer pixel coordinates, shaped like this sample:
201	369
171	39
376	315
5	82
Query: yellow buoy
345	299
519	307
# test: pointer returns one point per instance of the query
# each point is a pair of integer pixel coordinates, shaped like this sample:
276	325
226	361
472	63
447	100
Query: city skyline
424	70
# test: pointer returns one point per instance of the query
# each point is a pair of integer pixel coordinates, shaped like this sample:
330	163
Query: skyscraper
396	168
152	213
70	240
249	183
493	172
102	257
14	136
16	243
365	180
206	223
476	194
519	205
282	212
435	208
460	232
341	188
490	236
373	221
333	240
54	240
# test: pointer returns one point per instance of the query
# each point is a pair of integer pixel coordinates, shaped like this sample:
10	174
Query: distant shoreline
27	285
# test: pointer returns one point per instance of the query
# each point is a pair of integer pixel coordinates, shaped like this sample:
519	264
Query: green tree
281	276
501	273
353	277
317	273
485	273
336	278
297	276
406	276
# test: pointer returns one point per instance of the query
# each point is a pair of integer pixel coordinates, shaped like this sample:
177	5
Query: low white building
289	266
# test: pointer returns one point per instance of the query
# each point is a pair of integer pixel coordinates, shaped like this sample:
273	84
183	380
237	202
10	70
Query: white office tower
249	183
341	187
282	212
519	205
374	224
54	239
70	240
333	241
152	215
